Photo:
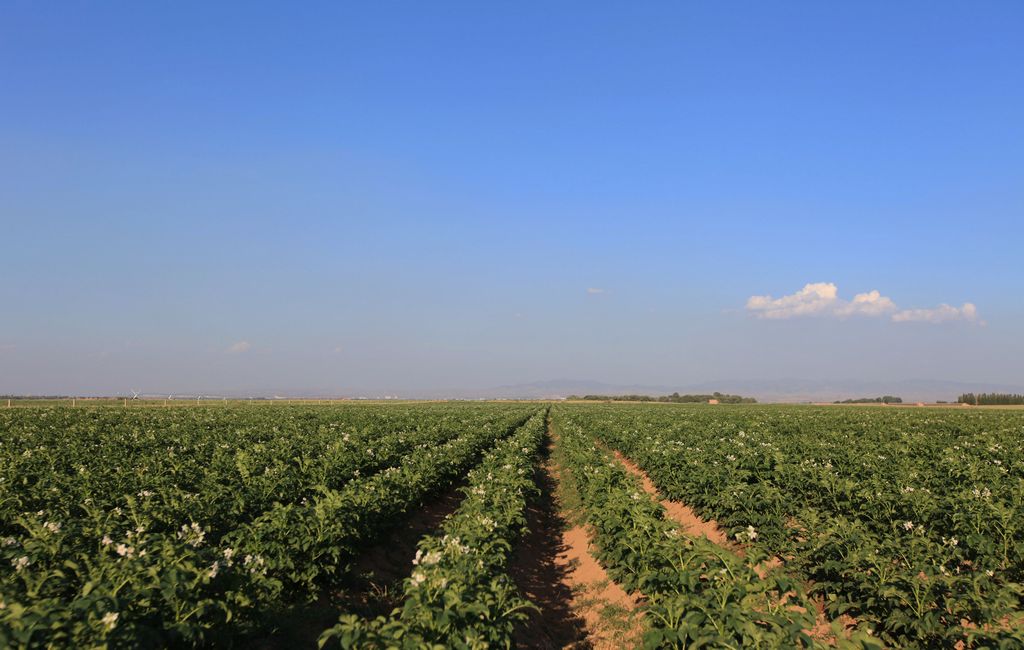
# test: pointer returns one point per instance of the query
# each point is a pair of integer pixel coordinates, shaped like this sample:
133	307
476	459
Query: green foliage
991	399
459	595
156	527
182	526
698	593
910	521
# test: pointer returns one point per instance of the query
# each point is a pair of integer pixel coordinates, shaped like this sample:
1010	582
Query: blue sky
410	196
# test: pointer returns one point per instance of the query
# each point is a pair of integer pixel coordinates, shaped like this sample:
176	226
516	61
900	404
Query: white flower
214	568
417	578
106	541
124	550
192	534
109	620
908	525
20	563
426	559
990	573
10	541
255	564
52	526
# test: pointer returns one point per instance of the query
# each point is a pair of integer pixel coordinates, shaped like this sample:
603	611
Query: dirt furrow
684	515
695	526
579	605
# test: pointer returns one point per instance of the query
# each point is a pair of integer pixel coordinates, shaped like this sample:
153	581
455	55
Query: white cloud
941	314
239	348
871	303
594	290
822	299
815	298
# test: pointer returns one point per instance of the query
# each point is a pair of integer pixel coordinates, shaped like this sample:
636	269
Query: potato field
449	525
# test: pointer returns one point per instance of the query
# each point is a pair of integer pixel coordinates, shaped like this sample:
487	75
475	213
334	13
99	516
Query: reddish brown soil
595	595
580	606
681	513
694	526
543	579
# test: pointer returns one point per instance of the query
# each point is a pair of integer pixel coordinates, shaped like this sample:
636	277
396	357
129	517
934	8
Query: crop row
218	467
912	523
124	575
698	594
459	594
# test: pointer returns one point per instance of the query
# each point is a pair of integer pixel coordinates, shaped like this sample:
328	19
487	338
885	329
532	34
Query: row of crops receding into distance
447	525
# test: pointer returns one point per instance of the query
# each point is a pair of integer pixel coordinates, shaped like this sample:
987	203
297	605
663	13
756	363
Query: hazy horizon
419	198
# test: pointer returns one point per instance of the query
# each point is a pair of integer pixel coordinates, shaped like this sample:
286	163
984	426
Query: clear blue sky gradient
405	196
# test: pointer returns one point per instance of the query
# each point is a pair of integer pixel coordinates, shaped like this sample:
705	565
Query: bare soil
694	526
543	579
579	605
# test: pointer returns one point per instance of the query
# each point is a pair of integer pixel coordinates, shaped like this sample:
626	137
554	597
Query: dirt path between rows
681	513
694	526
580	606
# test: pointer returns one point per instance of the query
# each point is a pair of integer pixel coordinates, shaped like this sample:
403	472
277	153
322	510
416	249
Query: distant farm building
712	401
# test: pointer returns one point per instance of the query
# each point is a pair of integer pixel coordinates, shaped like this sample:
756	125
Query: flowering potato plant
182	526
459	595
910	521
697	594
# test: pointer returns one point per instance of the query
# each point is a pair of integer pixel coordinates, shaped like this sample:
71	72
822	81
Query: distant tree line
991	399
885	399
674	397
